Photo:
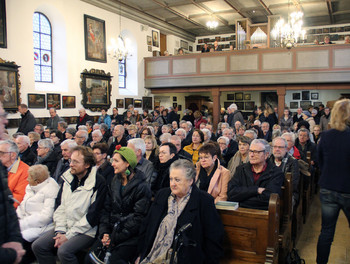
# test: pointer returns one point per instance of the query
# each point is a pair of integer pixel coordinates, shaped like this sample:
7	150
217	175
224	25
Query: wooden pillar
281	92
215	93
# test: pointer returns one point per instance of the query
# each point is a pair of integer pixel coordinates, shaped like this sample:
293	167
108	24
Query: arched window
42	38
122	74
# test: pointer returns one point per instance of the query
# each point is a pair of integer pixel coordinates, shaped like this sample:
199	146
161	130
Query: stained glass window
122	74
42	39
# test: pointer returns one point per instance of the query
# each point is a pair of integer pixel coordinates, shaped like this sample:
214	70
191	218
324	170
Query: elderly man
298	115
39	128
187	126
251	134
52	122
282	159
139	147
176	140
255	180
62	126
304	144
17	170
292	150
234	115
28	122
104	167
117	138
232	147
46	155
83	117
267	135
324	120
76	218
105	132
81	137
97	137
25	154
63	164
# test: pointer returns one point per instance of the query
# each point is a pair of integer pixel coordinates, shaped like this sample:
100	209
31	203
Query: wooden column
215	93
281	92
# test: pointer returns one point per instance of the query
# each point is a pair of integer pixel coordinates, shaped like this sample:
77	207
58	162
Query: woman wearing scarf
241	156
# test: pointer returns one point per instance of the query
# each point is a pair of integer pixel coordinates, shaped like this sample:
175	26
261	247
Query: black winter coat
83	121
28	157
308	147
51	162
162	180
207	231
27	123
242	189
129	206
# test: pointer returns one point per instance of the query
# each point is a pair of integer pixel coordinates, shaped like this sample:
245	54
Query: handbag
294	258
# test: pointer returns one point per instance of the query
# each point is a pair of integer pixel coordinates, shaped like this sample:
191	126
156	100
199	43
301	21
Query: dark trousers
331	203
45	251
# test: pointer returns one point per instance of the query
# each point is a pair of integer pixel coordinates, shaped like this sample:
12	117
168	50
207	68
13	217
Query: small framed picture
174	98
53	100
68	101
239	96
147	103
314	96
317	104
305	104
179	107
137	103
249	106
294	105
36	101
128	101
174	105
240	105
296	96
120	103
149	48
155	38
190	48
149	40
184	44
247	97
230	96
305	95
227	104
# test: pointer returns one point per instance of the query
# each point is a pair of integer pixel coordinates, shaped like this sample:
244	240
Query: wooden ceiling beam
234	8
265	7
330	11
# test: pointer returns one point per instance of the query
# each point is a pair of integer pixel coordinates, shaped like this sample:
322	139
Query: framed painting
174	98
296	96
305	95
68	101
314	96
95	39
294	105
120	103
230	96
9	86
149	48
239	96
96	89
247	97
128	101
227	104
240	105
184	44
147	103
3	31
155	38
53	100
36	101
174	105
149	40
137	103
317	104
249	106
305	104
190	48
179	107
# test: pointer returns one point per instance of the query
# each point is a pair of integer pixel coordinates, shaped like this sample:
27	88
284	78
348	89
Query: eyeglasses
279	147
3	152
255	151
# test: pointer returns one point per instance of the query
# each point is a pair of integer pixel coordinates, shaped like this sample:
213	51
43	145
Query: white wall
67	20
174	43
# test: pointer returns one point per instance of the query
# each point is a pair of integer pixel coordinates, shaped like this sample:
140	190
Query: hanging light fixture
118	49
212	24
287	34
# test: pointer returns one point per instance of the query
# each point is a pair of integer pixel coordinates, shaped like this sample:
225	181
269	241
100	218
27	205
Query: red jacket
17	180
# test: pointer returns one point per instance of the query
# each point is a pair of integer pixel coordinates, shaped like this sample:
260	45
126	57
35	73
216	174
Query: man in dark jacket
83	118
26	155
173	116
304	145
52	122
28	122
253	182
234	115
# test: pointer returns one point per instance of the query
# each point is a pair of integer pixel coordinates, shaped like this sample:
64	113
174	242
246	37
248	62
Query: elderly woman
36	210
182	212
241	156
207	135
127	204
34	137
132	130
197	142
152	149
211	177
198	119
70	132
223	144
46	155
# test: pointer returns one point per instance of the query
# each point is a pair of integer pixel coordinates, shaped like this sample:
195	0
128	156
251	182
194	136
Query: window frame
123	62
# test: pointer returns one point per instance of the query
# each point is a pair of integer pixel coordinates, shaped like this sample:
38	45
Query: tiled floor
340	251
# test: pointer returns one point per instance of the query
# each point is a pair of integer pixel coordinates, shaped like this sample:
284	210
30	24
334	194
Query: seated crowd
136	184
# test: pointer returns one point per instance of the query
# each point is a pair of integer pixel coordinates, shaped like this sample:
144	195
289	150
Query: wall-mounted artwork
9	85
155	38
247	97
240	105
137	103
179	107
190	48
36	101
174	98
294	105
149	48
230	96
149	40
317	104
174	105
184	44
305	95
68	101
249	106
239	96
53	100
95	39
314	96
227	104
147	103
3	31
128	101
296	96
120	103
305	104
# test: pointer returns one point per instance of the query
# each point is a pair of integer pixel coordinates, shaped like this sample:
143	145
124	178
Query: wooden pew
251	236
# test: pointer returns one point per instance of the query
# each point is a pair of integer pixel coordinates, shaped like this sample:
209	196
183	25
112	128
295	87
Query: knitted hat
128	154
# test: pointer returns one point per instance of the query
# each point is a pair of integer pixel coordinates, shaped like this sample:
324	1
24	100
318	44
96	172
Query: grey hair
104	127
276	133
233	106
182	131
151	128
46	143
12	146
225	124
70	142
280	138
63	124
82	127
84	133
304	130
96	125
289	134
25	139
257	123
138	143
175	137
266	144
71	130
230	129
186	166
189	125
97	132
183	122
207	131
224	138
165	137
249	131
266	123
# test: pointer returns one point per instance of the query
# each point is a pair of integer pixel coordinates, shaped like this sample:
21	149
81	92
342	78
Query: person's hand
105	240
59	240
18	248
137	261
260	190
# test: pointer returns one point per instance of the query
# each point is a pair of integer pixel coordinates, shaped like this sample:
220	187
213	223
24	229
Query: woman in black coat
185	212
127	203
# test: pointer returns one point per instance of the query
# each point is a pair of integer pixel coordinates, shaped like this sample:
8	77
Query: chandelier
212	24
287	34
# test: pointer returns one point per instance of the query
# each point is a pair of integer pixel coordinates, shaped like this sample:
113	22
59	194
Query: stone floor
340	251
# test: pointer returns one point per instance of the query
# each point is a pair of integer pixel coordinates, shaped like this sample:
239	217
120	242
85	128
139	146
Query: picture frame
3	30
174	105
149	40
294	105
53	100
36	100
230	96
305	104
239	96
95	39
305	95
138	103
155	38
227	104
179	107
190	48
119	103
184	44
147	103
247	97
314	96
249	106
317	104
240	105
96	89
68	101
9	86
174	98
127	102
296	96
149	48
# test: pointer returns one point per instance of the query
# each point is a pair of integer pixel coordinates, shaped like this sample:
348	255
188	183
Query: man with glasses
81	137
254	181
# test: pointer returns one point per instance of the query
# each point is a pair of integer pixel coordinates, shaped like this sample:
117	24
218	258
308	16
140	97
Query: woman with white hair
36	210
46	155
